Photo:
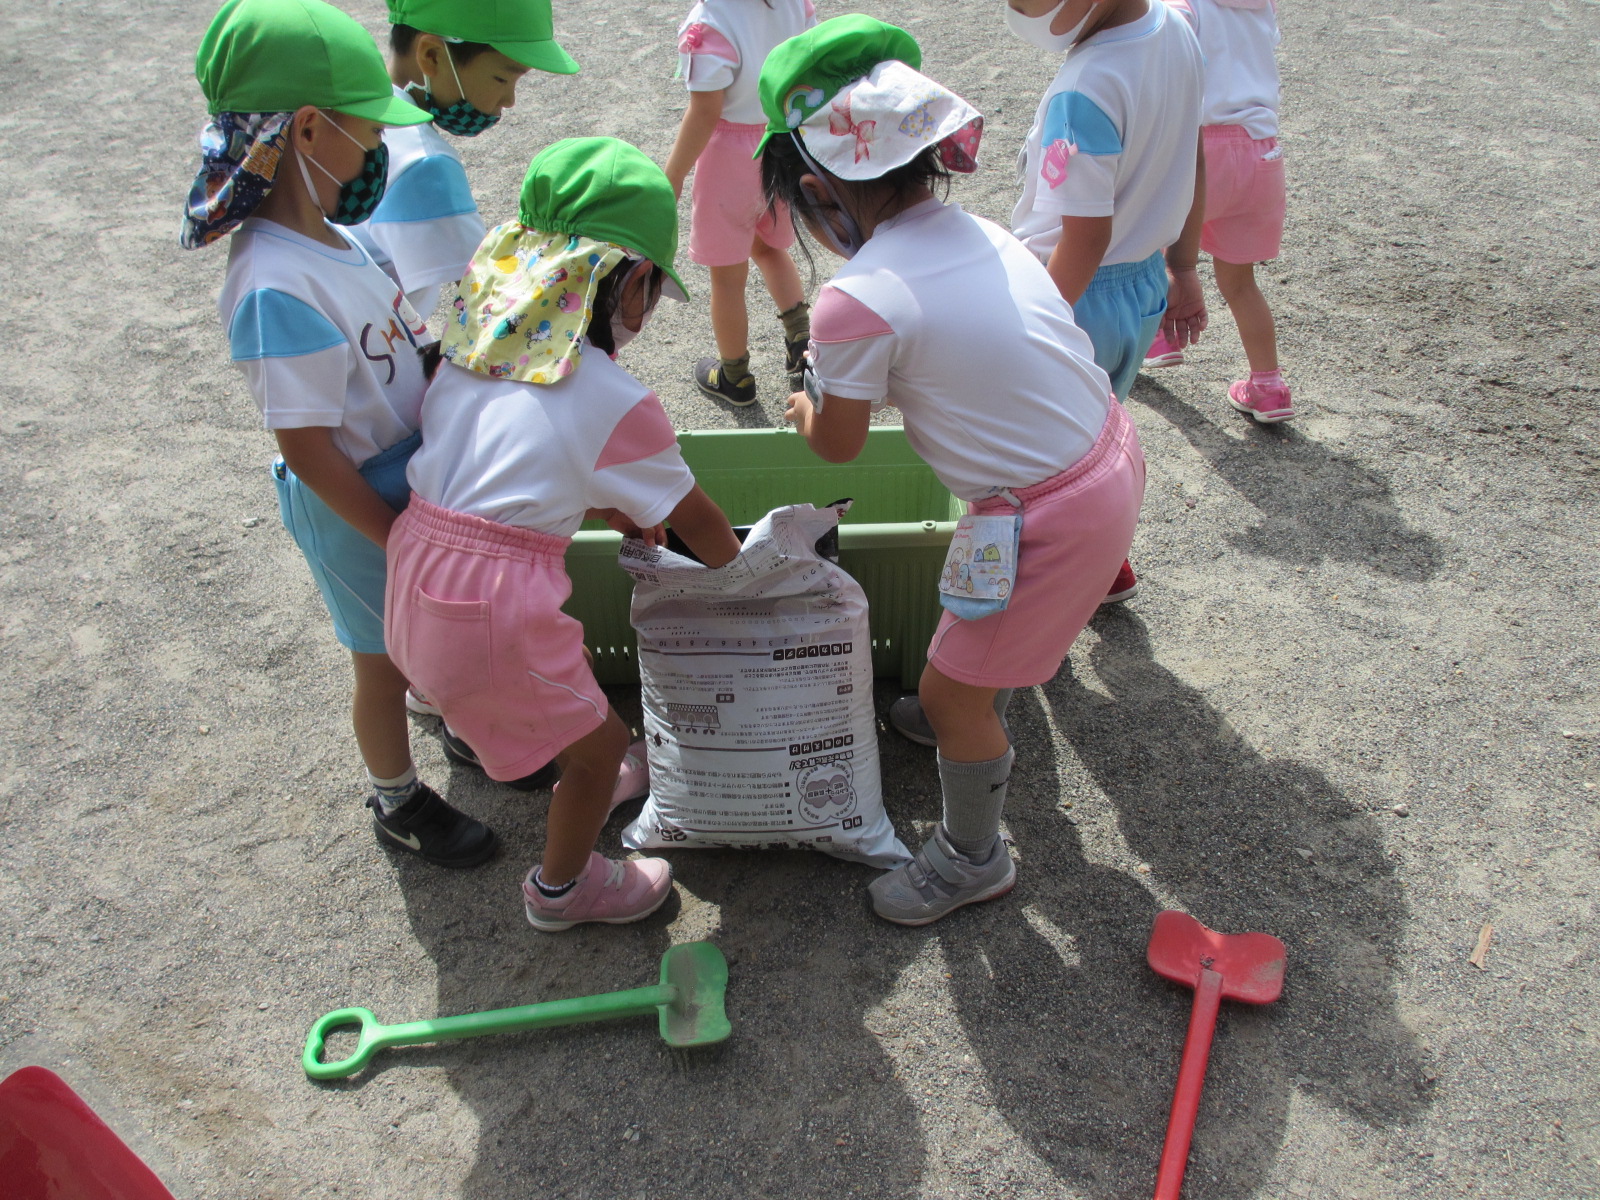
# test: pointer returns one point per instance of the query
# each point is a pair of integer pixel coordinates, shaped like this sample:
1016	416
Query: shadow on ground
1316	504
1081	1041
1076	1039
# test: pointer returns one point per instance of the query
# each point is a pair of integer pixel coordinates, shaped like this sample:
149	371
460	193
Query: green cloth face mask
359	198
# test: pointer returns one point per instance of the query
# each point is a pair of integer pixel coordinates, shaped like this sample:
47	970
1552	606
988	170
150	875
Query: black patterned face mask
463	118
359	198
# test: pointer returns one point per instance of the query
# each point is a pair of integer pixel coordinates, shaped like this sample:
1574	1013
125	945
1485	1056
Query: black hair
782	168
403	37
608	297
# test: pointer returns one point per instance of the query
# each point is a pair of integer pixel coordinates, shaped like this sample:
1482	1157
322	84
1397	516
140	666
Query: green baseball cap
266	56
519	29
803	73
605	189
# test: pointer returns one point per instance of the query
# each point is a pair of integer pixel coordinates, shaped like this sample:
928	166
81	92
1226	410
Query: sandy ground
1353	706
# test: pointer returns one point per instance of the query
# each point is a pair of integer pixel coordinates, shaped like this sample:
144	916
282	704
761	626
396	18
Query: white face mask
1036	30
621	335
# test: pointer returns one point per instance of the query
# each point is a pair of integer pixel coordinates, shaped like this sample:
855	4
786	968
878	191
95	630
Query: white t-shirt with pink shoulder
1239	39
948	318
722	44
539	456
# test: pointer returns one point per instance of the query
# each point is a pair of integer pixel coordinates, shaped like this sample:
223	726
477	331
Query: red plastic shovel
1218	966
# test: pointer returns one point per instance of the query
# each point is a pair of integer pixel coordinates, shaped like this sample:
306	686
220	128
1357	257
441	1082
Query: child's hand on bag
656	535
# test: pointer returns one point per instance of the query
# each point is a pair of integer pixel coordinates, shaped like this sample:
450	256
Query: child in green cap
530	428
294	153
948	318
460	61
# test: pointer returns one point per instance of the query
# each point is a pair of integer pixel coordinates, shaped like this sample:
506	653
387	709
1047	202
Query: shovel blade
1251	964
696	1016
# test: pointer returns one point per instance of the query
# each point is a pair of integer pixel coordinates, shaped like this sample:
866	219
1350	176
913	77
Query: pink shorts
1076	530
1244	196
727	209
473	619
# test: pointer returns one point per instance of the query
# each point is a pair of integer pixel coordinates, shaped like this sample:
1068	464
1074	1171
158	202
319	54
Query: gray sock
974	794
1002	698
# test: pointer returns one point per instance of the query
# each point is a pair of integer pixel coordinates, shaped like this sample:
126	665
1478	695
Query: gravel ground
1353	706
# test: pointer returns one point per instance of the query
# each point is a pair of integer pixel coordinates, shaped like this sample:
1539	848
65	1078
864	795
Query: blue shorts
1121	311
350	568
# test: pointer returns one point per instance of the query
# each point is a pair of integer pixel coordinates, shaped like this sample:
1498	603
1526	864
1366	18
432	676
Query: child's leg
730	322
582	800
964	861
779	273
1251	313
378	712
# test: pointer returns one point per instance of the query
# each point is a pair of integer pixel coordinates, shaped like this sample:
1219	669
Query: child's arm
1186	302
705	528
836	434
310	453
1083	243
699	121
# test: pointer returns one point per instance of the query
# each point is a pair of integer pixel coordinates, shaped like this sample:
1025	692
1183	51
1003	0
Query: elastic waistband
463	531
1113	274
1232	133
400	450
1113	435
738	127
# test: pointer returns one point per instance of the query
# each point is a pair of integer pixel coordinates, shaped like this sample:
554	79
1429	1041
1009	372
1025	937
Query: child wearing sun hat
529	428
950	319
294	154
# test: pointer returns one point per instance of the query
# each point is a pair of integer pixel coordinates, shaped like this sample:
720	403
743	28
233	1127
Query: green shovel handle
368	1043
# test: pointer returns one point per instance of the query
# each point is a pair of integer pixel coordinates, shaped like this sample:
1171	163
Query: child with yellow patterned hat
294	154
530	428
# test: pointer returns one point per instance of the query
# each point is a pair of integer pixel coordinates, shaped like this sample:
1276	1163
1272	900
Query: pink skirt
1077	528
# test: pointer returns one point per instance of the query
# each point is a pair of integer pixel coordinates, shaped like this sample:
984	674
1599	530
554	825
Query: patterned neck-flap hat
848	90
524	306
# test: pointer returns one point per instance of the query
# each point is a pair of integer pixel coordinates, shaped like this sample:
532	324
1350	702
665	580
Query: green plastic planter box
893	541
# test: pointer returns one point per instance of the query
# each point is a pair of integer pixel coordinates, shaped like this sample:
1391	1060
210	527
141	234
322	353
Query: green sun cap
603	188
803	73
519	29
267	56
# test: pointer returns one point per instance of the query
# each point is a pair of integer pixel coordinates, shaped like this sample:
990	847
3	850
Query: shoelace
619	868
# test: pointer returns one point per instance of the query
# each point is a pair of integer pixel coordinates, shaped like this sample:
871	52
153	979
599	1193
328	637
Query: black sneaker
794	359
428	827
708	374
458	751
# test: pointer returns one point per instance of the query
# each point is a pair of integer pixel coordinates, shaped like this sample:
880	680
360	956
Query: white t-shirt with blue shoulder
539	456
722	44
948	318
1240	42
427	227
1116	136
324	338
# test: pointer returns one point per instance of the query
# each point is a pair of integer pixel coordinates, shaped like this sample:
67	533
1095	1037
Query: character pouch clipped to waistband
980	569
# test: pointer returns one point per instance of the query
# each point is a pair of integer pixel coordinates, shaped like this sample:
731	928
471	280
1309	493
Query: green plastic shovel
694	978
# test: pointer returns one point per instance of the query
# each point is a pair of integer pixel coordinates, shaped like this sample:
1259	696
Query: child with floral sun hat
460	61
293	154
948	318
529	428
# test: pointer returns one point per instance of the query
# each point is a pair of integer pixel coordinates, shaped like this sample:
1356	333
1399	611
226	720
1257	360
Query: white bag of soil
757	690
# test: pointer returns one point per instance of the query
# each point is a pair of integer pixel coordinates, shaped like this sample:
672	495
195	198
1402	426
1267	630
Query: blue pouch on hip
980	569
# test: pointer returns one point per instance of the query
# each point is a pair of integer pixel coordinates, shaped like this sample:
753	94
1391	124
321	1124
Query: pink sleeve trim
700	39
840	317
644	431
811	12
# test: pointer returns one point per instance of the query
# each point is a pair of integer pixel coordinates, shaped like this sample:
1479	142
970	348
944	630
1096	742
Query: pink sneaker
633	781
1162	353
610	891
1268	405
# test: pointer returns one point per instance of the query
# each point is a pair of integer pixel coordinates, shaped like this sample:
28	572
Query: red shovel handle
1191	1078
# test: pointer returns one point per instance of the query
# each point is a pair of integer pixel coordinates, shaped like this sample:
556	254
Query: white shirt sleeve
708	60
852	347
295	360
640	470
1080	148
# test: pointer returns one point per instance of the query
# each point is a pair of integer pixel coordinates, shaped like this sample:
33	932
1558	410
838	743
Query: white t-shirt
323	337
1116	136
539	456
1239	45
948	318
722	44
427	226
